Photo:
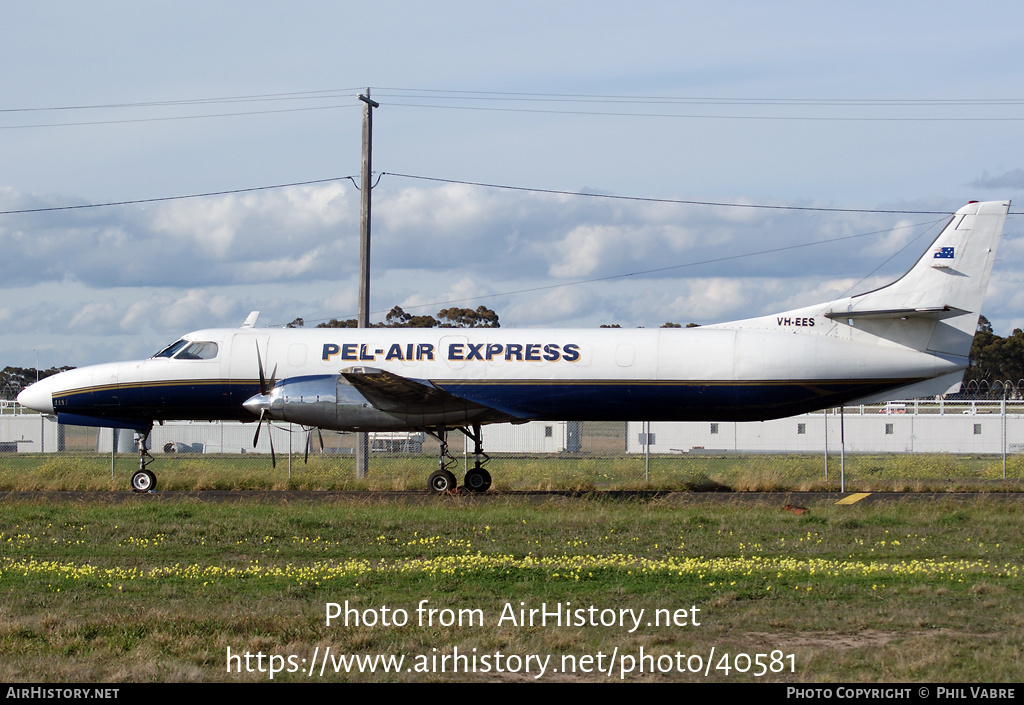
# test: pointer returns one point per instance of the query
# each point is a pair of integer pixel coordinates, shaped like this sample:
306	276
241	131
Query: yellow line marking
853	498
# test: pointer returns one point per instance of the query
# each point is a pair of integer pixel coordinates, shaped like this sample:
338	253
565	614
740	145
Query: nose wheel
443	482
143	481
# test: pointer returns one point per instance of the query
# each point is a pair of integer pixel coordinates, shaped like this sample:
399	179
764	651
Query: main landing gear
143	480
443	480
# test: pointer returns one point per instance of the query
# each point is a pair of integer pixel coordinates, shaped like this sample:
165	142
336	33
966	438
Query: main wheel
143	481
442	482
478	480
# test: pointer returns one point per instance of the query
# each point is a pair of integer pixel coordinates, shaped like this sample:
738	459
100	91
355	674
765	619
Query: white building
900	427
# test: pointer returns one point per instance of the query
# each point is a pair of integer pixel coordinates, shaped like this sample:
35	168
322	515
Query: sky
607	121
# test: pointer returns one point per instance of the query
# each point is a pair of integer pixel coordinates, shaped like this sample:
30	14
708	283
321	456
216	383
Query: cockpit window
198	351
172	348
189	350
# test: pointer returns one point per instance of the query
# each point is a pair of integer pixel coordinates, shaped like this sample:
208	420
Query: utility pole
363	315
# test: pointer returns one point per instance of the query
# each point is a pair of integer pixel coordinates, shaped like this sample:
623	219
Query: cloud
194	308
592	249
279	235
159	271
457	293
560	307
1013	179
310	233
713	299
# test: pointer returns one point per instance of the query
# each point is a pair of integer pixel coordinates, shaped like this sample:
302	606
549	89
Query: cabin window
198	350
888	429
977	429
714	428
801	429
548	431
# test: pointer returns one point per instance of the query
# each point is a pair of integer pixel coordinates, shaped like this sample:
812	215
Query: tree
397	318
482	317
994	358
335	323
14	379
663	325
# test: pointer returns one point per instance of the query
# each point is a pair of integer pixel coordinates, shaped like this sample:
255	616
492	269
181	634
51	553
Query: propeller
265	389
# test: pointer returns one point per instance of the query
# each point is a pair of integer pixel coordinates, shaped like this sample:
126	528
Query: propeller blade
256	438
263	378
270	437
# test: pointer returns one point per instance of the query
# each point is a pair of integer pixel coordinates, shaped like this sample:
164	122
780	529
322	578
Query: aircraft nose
37	397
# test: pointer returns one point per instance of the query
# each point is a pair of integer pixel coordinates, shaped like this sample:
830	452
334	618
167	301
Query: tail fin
935	306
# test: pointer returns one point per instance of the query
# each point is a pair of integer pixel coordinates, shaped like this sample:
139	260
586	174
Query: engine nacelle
331	402
325	401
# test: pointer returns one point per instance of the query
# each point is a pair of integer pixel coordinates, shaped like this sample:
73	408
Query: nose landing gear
143	480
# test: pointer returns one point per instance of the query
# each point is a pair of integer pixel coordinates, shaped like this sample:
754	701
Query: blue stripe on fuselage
671	401
540	399
214	400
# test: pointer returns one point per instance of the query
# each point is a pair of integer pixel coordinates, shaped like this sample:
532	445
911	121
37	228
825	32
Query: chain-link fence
899	445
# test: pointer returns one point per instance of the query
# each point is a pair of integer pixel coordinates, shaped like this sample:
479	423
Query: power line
797	118
458	99
641	99
497	96
716	204
172	198
176	117
299	95
525	189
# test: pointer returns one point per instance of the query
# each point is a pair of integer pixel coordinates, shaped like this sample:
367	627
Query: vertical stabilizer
937	303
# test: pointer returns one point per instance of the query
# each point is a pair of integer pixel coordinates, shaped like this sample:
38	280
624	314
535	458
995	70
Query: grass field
160	591
737	472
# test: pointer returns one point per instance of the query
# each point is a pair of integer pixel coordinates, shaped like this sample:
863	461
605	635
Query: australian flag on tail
944	253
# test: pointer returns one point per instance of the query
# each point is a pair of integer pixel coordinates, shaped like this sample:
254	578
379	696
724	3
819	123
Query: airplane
909	338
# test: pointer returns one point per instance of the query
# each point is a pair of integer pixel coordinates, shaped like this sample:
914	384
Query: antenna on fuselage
250	320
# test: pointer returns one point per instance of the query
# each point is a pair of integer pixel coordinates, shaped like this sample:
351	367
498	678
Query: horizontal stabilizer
933	312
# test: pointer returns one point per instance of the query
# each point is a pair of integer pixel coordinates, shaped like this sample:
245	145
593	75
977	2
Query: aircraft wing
395	394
